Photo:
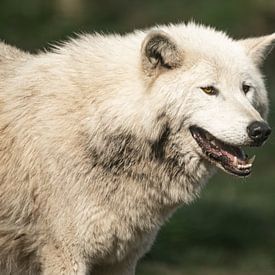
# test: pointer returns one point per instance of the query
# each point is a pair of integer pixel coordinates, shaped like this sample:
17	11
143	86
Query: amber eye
210	90
246	88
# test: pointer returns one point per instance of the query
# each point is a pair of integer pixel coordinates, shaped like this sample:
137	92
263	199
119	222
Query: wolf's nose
258	131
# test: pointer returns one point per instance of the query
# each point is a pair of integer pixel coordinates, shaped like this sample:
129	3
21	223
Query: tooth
251	160
246	166
235	162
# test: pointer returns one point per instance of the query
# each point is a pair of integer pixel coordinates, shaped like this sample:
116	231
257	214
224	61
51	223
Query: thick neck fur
117	135
156	166
123	138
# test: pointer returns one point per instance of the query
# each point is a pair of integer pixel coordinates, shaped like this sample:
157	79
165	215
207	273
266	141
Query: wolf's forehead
214	68
224	55
223	63
198	42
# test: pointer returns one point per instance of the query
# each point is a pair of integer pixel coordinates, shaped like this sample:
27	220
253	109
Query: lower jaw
232	171
226	168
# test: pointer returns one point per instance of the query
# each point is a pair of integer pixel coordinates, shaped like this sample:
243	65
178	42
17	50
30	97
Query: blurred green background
231	228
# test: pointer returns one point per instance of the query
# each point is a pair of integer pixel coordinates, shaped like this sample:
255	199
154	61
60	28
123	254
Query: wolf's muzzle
258	131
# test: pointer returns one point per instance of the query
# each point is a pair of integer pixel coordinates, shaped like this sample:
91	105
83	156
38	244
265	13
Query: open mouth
230	158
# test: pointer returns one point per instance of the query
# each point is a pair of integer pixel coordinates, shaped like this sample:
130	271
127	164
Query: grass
163	269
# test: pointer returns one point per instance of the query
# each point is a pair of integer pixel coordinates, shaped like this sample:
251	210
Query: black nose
258	131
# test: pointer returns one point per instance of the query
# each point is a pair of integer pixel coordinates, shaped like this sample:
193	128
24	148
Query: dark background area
231	228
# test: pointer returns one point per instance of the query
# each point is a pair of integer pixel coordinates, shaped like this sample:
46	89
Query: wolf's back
10	57
9	53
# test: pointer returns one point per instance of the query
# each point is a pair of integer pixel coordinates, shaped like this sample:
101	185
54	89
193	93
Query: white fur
96	151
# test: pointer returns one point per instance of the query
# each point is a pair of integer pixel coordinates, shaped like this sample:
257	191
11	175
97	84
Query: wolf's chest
133	244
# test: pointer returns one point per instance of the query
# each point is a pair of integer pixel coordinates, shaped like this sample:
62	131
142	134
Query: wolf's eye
210	90
246	88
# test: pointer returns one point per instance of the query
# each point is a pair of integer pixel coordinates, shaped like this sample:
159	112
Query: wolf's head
211	91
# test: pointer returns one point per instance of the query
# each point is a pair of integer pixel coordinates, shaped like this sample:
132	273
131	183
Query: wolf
103	137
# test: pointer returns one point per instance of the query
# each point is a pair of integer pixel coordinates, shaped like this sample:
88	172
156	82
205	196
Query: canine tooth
251	160
235	162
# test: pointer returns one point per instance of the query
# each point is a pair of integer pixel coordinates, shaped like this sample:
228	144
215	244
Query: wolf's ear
159	52
259	47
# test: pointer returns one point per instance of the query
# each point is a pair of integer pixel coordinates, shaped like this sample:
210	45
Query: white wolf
105	136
